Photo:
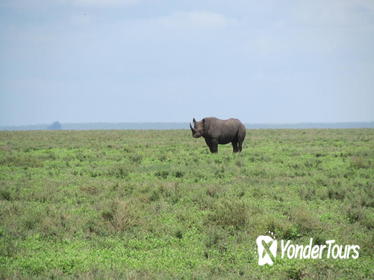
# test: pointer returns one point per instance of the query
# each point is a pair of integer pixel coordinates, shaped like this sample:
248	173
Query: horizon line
179	125
182	122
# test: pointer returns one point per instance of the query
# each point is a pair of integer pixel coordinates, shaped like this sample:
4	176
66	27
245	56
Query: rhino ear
205	124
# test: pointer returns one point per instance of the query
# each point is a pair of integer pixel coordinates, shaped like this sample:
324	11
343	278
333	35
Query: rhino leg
235	147
240	146
241	136
212	144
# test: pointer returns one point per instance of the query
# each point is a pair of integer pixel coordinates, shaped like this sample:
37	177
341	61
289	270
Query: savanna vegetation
158	205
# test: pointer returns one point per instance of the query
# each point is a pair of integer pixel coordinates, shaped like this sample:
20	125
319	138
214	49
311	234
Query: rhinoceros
216	131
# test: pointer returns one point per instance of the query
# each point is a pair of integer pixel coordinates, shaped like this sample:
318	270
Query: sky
264	61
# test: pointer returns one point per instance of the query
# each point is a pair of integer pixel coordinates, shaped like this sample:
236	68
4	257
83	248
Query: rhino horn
193	130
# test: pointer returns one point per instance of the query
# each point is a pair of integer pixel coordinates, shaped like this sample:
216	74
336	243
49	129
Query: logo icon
266	249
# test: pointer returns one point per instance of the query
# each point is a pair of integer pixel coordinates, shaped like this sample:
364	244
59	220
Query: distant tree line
55	126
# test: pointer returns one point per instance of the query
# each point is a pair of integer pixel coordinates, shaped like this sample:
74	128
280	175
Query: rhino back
223	130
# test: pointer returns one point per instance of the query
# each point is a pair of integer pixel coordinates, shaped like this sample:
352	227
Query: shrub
359	162
305	220
162	174
178	174
120	172
5	194
136	158
229	213
8	246
121	215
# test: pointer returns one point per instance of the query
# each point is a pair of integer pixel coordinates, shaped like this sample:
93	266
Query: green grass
158	205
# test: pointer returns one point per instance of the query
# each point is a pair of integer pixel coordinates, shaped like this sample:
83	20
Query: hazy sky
152	60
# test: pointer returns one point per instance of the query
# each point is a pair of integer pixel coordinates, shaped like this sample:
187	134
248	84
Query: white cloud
101	3
45	4
335	13
193	20
81	19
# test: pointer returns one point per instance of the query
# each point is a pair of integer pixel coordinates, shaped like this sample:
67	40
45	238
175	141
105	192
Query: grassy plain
158	205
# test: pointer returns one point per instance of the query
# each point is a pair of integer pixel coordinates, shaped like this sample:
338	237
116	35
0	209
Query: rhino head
198	128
